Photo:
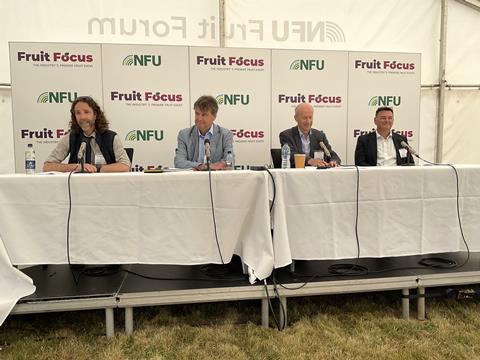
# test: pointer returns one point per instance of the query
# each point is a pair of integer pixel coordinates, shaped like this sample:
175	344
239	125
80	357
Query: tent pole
221	22
442	82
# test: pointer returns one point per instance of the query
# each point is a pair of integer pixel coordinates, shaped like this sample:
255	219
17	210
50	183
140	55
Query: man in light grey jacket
190	152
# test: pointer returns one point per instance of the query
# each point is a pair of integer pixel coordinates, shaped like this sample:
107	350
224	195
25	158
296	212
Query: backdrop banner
147	93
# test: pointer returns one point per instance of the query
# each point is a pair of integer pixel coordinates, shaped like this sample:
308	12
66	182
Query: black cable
284	312
75	279
274	189
443	263
338	269
182	278
459	218
351	269
433	262
271	307
213	212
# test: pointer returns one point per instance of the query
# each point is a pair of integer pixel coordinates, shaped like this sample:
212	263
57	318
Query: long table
137	218
134	218
167	218
401	211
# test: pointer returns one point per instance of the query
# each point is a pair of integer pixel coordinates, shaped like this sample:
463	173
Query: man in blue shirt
303	139
190	152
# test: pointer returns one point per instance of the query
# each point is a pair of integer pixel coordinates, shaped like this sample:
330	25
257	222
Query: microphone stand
82	166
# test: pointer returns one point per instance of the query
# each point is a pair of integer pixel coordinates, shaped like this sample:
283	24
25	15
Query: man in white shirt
382	147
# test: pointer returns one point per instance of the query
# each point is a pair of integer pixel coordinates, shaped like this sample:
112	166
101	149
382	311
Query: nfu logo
144	135
310	64
142	60
385	101
233	99
58	97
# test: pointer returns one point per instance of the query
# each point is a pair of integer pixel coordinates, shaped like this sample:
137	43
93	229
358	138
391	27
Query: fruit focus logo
243	135
310	98
384	65
146	97
231	63
407	133
56	56
44	133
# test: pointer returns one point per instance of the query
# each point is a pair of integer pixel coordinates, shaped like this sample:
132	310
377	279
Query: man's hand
221	165
87	167
321	163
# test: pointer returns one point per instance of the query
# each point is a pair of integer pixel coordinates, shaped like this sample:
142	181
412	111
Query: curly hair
101	123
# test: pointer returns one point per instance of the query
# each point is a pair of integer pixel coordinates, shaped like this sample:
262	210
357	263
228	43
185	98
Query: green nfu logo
233	99
385	101
307	64
144	135
142	60
58	97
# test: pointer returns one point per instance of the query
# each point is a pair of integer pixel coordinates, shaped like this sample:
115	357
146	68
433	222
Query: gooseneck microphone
81	155
207	151
328	156
409	148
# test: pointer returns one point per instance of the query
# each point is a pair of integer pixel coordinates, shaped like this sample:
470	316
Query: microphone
81	156
328	156
409	148
81	151
207	150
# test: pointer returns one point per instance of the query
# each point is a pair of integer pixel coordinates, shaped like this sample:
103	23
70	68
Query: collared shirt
386	154
305	141
62	150
201	143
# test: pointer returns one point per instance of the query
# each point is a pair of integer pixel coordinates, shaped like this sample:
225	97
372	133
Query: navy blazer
292	138
366	150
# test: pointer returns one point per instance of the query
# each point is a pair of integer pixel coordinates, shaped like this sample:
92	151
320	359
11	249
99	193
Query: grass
358	326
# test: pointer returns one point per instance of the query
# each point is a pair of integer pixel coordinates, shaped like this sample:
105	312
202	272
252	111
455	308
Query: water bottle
285	156
30	160
230	160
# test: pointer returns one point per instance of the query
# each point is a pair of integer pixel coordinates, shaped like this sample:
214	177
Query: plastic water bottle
230	160
285	156
30	160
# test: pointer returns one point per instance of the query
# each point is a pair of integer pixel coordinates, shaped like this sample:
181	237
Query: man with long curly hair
104	149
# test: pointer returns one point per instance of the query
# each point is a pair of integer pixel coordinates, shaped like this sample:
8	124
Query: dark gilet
104	141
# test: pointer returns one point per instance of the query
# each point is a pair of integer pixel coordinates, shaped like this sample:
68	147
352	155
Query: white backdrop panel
460	137
463	44
168	22
240	80
7	158
428	123
47	80
373	25
383	79
319	78
147	98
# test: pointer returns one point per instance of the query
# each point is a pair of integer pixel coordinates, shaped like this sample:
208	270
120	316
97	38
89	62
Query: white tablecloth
166	218
402	211
137	218
13	285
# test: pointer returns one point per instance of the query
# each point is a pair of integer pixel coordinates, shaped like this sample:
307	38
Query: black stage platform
62	289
